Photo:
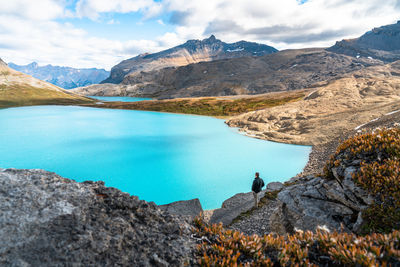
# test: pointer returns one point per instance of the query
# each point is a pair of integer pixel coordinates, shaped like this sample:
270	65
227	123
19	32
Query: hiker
257	186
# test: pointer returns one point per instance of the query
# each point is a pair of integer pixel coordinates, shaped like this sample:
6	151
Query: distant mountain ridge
65	77
281	71
381	43
193	51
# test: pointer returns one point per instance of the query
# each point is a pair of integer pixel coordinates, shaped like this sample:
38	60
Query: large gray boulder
318	202
187	208
47	220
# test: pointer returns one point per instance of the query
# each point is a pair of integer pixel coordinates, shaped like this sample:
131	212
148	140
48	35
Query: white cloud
34	10
50	42
282	23
29	31
94	8
112	21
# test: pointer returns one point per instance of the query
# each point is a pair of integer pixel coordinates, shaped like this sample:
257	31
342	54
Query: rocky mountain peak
33	65
211	38
379	43
192	51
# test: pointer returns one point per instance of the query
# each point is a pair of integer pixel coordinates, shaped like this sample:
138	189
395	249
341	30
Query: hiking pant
255	199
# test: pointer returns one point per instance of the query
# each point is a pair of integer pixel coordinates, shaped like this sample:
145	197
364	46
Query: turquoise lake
119	98
159	157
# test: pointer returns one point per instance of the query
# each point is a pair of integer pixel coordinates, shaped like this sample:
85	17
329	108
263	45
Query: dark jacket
258	184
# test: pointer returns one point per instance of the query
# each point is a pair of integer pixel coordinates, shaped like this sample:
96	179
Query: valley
336	108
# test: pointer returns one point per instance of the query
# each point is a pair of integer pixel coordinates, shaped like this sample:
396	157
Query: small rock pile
47	220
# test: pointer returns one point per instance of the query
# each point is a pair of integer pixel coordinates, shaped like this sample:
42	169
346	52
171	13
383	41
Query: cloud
49	42
93	8
179	17
30	31
34	10
283	23
112	21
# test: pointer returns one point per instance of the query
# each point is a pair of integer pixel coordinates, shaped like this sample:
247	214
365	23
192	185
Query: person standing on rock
257	186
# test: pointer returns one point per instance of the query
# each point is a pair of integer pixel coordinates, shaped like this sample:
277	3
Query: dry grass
210	106
14	95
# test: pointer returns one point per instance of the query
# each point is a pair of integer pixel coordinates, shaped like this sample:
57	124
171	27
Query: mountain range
193	51
248	71
65	77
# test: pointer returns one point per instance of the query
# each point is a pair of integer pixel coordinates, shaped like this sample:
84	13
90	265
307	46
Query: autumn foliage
222	247
377	155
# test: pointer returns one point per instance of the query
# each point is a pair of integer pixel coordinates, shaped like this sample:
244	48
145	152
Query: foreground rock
47	220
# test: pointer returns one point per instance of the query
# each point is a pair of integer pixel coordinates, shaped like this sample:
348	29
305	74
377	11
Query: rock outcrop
186	208
47	220
308	203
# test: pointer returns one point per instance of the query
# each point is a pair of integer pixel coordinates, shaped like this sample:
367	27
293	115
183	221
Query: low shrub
222	247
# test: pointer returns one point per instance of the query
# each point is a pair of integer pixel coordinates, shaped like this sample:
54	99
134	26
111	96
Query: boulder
316	201
47	220
188	208
274	186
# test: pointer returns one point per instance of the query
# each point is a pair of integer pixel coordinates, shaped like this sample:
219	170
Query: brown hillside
329	110
18	89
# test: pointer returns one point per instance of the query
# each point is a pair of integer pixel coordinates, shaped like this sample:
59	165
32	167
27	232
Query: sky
101	33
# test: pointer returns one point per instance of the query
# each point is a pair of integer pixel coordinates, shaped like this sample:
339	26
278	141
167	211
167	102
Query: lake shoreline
196	141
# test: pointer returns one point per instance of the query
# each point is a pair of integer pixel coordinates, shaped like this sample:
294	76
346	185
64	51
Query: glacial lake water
159	157
119	98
